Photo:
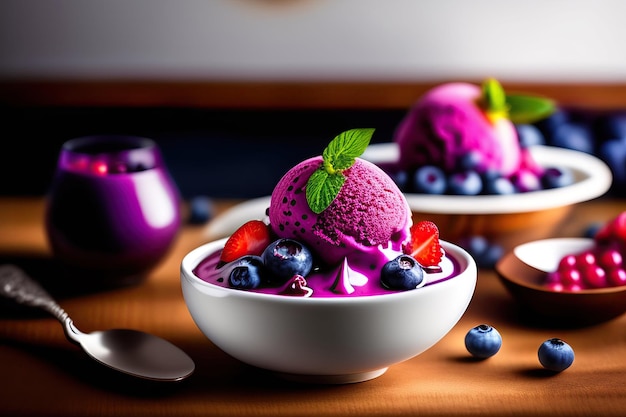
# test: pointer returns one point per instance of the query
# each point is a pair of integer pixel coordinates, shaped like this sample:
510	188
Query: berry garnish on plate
250	239
287	258
402	273
424	245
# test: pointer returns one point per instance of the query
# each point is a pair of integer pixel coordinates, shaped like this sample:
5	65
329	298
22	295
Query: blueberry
529	135
471	161
525	181
201	210
246	273
285	258
484	252
402	273
465	183
576	136
491	256
429	179
554	177
551	123
555	355
592	229
401	178
612	125
613	152
483	341
497	185
475	245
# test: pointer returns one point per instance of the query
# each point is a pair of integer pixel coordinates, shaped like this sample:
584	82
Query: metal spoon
129	351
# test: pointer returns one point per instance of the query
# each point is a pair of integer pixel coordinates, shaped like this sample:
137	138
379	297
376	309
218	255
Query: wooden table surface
45	375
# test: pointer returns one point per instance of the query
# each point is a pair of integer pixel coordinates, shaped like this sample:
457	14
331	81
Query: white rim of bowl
593	180
193	258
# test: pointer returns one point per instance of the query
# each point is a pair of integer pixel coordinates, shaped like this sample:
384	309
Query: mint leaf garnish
342	150
322	189
325	183
493	97
518	108
529	109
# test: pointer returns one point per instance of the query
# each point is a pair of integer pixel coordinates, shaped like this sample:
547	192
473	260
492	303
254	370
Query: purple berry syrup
324	283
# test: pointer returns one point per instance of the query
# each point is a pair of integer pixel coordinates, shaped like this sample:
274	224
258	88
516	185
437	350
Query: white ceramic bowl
326	340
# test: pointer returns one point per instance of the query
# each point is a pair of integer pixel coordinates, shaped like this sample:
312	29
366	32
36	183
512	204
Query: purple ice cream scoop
368	217
447	123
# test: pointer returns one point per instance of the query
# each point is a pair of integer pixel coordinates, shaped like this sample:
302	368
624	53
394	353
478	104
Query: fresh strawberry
424	245
250	239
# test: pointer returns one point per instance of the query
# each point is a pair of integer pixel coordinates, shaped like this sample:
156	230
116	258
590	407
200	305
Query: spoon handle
17	285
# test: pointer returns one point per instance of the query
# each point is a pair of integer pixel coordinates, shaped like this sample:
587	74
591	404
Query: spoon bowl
128	351
523	269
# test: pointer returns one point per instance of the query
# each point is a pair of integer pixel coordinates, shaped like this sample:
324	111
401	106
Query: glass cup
113	210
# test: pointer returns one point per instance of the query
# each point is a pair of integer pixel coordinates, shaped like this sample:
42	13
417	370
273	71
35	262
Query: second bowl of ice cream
461	161
337	283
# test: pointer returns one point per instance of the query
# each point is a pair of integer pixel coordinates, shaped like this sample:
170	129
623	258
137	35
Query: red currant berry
567	262
555	286
552	277
573	287
571	277
610	259
595	276
586	259
616	277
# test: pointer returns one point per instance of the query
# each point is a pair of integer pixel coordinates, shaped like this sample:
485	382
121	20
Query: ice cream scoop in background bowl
331	340
507	220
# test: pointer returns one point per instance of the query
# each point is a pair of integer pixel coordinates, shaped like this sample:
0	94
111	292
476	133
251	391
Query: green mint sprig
493	98
529	109
518	108
325	183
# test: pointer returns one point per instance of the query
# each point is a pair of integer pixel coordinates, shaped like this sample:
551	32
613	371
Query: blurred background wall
545	40
227	85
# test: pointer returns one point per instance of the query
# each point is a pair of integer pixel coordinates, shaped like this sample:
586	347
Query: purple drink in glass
113	209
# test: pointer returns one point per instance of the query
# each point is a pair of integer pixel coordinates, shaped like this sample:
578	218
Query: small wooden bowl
523	269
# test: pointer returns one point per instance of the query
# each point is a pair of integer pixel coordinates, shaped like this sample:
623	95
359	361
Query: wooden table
45	375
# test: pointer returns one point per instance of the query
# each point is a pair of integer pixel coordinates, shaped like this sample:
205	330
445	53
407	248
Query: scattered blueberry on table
555	355
201	209
483	341
484	252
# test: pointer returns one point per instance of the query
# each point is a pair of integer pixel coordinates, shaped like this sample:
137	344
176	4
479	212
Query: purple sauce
340	281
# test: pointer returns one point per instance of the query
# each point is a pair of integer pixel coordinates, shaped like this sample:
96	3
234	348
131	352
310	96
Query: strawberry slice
424	245
250	239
